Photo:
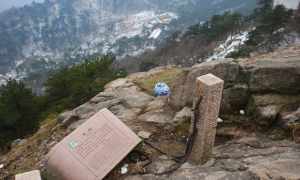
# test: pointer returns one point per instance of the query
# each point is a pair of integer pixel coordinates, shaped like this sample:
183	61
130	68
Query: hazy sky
5	4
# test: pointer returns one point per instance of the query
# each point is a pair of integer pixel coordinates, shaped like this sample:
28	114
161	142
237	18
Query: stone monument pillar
209	89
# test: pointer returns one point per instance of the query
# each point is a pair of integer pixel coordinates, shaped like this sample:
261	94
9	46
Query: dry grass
168	76
27	156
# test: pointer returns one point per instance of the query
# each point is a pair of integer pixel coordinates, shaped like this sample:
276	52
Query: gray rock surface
241	160
67	118
144	134
182	116
248	86
156	117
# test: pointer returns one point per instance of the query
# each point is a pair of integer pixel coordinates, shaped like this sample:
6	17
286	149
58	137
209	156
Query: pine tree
18	110
72	86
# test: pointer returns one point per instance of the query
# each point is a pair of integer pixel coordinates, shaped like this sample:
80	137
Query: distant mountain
292	4
43	36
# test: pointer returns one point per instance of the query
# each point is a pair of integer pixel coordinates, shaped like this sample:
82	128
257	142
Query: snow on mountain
56	33
2	79
232	43
155	34
292	4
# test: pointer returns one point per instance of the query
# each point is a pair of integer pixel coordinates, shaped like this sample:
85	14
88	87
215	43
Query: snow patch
155	34
291	4
230	45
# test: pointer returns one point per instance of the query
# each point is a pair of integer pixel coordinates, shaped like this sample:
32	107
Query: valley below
42	37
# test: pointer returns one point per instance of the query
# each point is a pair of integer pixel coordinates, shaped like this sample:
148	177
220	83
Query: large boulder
226	70
266	108
134	97
275	76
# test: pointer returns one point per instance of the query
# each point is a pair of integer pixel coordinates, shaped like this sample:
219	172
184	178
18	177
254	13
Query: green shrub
218	26
147	65
243	52
70	87
271	26
19	111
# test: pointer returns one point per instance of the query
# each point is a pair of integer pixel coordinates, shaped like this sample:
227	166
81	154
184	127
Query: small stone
18	142
182	116
1	166
267	115
85	111
187	165
156	117
160	166
209	163
144	134
67	118
242	112
163	157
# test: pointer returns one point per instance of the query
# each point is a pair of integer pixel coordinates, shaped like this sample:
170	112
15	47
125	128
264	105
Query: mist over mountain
56	33
6	4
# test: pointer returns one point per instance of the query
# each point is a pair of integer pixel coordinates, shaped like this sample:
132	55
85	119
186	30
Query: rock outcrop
246	159
264	86
259	92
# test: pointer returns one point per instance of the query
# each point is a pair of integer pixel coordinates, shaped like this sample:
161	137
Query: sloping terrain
253	142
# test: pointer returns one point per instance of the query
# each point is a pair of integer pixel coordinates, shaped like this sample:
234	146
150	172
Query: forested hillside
56	33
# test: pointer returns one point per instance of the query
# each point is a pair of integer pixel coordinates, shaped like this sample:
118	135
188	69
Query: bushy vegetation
218	26
271	27
146	65
21	111
70	87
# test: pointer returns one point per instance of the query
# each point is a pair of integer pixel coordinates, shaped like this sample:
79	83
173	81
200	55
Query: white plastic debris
144	134
1	166
242	112
219	120
124	169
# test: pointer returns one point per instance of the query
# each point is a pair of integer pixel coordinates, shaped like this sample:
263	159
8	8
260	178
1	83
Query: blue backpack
161	89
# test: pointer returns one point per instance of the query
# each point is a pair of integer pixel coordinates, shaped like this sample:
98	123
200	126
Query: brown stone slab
92	150
32	175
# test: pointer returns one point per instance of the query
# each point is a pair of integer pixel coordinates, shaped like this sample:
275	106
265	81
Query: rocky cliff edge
256	140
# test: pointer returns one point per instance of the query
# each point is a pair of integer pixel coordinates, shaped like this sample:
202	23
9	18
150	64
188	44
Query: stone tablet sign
92	150
32	175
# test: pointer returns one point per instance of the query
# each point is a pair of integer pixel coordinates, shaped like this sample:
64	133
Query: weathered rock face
264	86
263	91
226	70
246	159
251	97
